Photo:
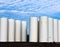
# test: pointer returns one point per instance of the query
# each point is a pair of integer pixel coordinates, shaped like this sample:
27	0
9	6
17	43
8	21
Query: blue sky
23	9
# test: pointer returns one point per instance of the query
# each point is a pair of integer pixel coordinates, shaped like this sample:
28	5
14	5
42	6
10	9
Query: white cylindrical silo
55	30
43	29
24	31
50	29
33	37
3	30
58	30
11	30
18	31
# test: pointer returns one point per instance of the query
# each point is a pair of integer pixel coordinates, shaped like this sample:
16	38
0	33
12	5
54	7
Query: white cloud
51	9
2	11
14	11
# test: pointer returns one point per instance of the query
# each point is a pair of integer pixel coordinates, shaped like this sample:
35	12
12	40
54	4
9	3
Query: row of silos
44	29
12	30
